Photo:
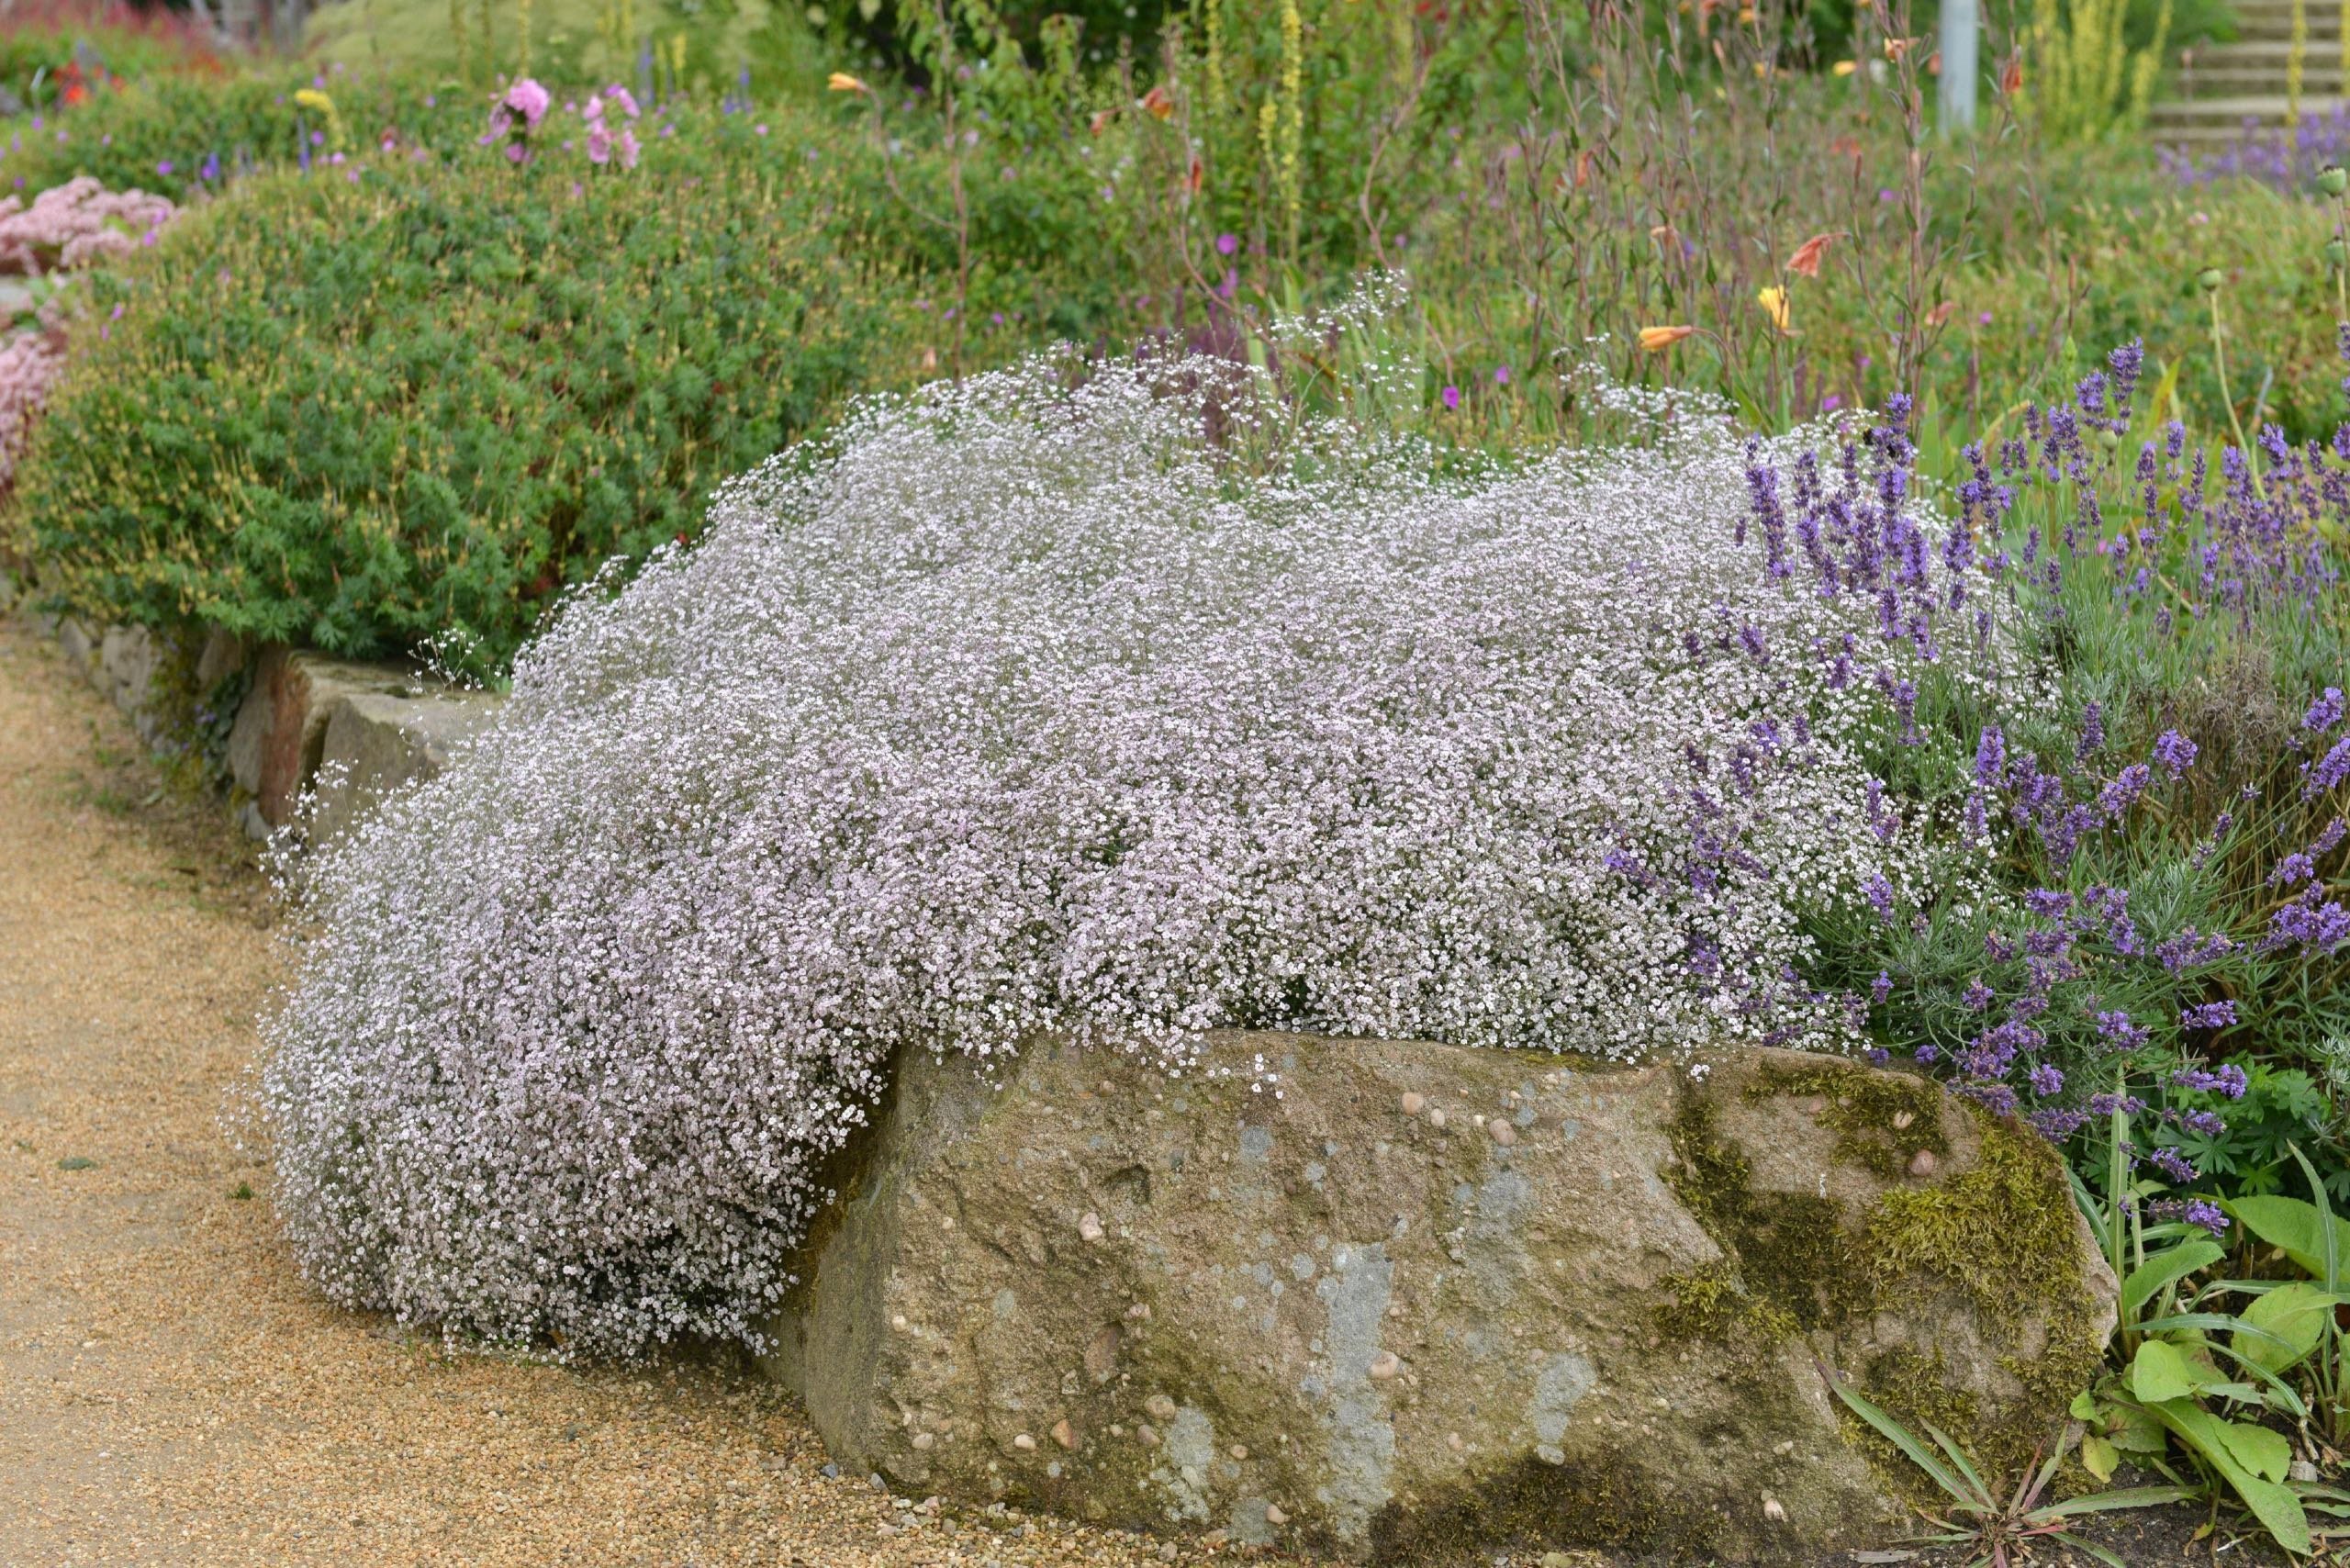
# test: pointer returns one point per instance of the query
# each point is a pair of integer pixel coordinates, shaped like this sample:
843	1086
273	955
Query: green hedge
383	403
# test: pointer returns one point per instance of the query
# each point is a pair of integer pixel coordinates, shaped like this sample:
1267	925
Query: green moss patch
1880	1119
1788	1252
1711	1302
2000	1234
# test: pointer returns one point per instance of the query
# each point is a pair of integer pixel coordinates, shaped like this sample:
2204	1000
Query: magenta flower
527	99
599	142
1452	399
1227	244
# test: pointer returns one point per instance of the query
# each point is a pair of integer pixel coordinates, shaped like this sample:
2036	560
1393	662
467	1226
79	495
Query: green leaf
2110	1502
2258	1450
2292	1225
2277	1509
2296	1314
2160	1371
2164	1268
1901	1436
2099	1458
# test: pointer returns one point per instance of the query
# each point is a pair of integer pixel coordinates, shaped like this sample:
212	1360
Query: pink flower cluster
67	225
30	363
603	142
516	118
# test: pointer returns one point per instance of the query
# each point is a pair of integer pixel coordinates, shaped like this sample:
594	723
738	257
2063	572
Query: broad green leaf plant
2213	1381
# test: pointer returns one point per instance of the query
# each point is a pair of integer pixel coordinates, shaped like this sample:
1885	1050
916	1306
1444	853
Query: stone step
2234	84
2264	108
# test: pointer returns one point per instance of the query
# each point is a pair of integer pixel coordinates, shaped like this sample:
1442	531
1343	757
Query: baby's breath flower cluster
1021	710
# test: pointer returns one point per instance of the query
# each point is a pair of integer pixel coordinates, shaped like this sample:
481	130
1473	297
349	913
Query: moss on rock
1991	1232
1882	1119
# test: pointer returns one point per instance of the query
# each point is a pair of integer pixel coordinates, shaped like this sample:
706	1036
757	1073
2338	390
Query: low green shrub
411	398
181	134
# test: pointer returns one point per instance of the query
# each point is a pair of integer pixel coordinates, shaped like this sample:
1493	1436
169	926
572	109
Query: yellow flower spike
311	98
842	82
1773	300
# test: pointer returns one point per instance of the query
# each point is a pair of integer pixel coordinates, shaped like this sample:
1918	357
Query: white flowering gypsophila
1018	712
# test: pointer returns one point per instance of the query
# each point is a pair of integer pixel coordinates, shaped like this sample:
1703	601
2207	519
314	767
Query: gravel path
170	1391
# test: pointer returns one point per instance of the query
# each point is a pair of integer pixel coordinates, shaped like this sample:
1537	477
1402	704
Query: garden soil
172	1392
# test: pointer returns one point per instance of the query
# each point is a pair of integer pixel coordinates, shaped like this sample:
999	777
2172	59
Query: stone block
128	659
222	656
1412	1302
79	645
377	744
279	735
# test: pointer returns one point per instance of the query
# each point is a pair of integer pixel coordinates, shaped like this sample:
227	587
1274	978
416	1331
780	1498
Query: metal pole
1956	94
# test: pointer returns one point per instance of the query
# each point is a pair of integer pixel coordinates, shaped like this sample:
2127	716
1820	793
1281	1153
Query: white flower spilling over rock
1019	712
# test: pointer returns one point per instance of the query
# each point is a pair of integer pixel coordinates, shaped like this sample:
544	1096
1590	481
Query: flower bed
1023	710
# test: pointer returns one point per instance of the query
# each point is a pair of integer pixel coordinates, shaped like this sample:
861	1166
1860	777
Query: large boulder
1404	1302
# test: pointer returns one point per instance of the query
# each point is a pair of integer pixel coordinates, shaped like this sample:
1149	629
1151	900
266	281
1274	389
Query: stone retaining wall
354	731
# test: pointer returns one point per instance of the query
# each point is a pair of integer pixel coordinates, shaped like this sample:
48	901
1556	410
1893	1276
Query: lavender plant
1025	707
2165	833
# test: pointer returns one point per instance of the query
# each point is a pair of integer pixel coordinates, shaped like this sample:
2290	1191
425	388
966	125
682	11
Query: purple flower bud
2175	752
2118	797
2328	771
2229	1079
2208	1015
1990	758
2192	1211
2092	731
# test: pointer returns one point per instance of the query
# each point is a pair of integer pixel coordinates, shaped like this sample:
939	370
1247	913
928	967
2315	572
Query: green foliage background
358	413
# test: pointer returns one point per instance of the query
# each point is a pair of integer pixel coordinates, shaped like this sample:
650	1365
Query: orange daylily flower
1101	121
1895	48
1160	102
1773	300
1656	339
1941	313
1805	263
2011	79
842	82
